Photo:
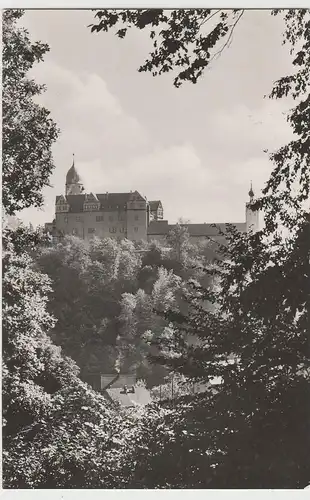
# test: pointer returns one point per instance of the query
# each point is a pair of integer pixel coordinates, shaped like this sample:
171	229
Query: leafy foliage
286	194
76	445
28	131
240	331
248	329
253	342
183	40
106	295
57	431
33	366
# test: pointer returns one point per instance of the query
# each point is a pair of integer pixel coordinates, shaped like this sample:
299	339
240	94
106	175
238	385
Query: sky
196	148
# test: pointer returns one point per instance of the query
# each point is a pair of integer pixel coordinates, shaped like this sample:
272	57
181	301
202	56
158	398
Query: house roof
91	197
161	228
72	175
158	227
209	230
155	204
108	201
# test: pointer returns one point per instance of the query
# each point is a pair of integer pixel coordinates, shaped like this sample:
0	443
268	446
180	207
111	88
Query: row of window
98	207
100	218
65	208
91	207
92	230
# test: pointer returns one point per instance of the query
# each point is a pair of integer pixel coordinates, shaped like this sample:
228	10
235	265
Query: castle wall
85	225
252	219
126	215
137	220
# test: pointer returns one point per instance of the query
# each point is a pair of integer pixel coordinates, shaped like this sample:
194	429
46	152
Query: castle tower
136	217
74	183
251	216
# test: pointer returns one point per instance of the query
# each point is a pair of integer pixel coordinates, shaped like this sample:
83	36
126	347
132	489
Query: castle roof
91	197
154	205
162	228
72	176
108	201
251	192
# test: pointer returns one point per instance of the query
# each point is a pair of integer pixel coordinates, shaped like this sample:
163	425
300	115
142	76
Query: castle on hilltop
123	215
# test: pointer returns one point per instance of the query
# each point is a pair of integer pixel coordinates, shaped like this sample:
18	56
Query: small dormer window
90	207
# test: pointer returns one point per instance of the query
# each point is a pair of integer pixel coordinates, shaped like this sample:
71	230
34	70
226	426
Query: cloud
242	132
90	116
196	148
187	186
208	188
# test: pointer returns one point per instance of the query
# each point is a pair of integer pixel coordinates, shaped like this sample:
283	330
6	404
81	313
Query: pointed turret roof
251	192
72	174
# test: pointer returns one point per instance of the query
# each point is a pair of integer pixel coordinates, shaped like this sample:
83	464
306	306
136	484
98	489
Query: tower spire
252	214
74	183
251	192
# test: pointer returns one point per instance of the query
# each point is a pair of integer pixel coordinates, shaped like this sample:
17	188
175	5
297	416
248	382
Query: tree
80	443
28	132
184	39
254	338
140	314
178	239
57	431
286	195
32	365
88	283
254	343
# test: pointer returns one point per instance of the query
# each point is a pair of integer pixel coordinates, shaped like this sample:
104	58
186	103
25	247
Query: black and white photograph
155	249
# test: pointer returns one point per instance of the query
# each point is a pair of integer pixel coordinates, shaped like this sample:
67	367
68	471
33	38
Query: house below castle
123	215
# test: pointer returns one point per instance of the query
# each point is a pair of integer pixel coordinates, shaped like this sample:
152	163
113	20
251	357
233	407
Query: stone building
123	215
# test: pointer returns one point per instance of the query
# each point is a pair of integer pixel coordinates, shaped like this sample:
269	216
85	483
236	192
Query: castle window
74	231
91	230
136	217
112	229
136	229
121	217
111	218
90	207
121	229
78	219
66	219
99	218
